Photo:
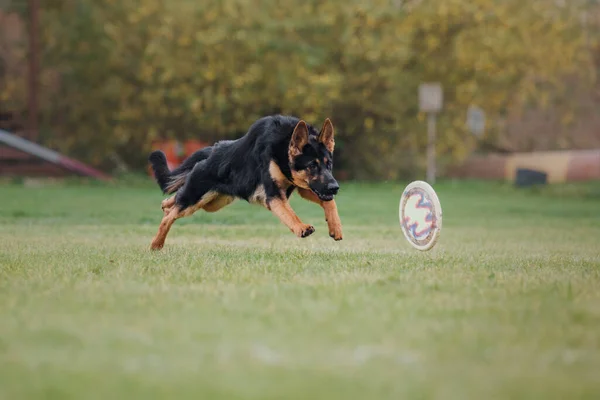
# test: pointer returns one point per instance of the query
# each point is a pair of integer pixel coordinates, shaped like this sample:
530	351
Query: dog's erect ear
299	138
326	135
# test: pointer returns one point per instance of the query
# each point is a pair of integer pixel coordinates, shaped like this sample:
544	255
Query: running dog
278	154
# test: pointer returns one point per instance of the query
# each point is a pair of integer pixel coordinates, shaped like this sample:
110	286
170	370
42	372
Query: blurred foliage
118	74
12	62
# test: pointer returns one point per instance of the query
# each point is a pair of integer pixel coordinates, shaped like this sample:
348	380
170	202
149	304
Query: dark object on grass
530	177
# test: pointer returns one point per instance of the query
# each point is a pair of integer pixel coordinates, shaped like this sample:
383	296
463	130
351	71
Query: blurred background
105	82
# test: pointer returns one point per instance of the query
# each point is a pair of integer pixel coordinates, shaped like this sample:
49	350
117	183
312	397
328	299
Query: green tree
119	74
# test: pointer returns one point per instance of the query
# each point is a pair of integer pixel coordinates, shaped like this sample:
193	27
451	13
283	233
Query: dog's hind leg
166	204
165	226
217	203
176	212
331	214
196	193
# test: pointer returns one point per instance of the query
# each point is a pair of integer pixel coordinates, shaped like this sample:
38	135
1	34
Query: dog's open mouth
323	197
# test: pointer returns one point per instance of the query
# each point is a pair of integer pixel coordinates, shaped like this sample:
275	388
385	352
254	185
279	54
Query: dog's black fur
277	155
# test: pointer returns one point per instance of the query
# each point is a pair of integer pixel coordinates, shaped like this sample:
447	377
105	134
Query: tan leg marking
331	214
219	202
333	219
167	204
206	199
285	213
163	229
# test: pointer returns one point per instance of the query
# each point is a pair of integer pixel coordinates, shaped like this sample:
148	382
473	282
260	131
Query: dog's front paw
335	231
337	236
305	230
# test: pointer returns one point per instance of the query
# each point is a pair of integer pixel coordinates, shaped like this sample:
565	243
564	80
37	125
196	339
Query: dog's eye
313	165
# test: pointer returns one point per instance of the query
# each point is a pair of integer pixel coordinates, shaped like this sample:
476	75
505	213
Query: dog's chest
259	196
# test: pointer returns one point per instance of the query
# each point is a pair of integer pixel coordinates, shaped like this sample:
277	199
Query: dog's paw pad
307	231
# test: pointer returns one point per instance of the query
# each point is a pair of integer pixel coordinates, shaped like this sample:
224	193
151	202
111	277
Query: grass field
506	306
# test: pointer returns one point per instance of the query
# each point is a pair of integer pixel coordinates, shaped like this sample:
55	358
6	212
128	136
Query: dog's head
311	159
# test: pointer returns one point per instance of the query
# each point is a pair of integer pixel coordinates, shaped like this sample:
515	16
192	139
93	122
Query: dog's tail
171	181
158	160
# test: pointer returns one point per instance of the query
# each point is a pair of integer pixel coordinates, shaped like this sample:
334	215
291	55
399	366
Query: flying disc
420	215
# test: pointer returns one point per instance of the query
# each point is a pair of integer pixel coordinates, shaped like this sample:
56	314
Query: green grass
506	306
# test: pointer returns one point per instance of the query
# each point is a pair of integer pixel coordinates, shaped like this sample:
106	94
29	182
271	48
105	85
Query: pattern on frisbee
420	215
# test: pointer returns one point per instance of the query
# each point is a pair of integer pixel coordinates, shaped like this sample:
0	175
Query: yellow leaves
479	16
134	18
129	114
567	118
211	67
544	99
443	10
166	76
196	104
465	91
184	41
146	72
8	90
433	42
110	29
370	22
153	133
209	74
238	81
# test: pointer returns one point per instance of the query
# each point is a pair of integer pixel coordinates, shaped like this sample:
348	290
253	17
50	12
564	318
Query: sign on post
476	120
430	101
430	97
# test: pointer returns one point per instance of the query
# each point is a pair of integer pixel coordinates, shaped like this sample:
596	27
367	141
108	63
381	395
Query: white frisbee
420	215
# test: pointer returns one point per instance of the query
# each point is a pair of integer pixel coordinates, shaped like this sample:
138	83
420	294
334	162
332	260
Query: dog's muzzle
328	192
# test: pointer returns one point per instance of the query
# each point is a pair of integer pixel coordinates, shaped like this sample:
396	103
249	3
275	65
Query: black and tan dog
277	155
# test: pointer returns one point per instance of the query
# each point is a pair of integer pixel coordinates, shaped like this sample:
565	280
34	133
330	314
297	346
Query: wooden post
431	168
32	111
431	98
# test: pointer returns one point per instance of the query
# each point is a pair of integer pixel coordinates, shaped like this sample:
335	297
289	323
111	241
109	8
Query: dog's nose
333	187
